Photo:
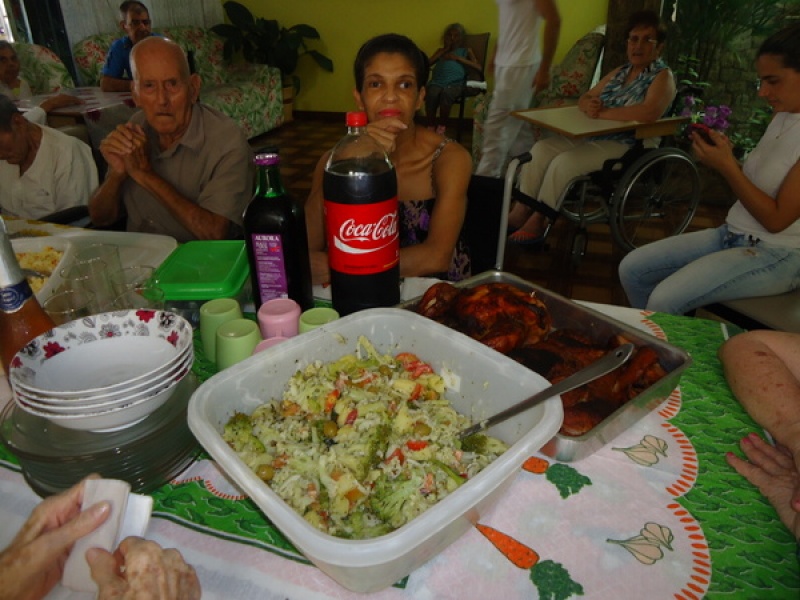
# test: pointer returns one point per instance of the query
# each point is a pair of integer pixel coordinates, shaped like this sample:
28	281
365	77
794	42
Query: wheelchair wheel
655	198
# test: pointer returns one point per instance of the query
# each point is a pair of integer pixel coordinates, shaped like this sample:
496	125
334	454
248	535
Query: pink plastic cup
279	317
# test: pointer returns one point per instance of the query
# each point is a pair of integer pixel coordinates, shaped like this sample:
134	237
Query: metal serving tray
568	314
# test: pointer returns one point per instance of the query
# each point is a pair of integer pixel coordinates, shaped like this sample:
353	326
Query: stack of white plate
105	372
104	394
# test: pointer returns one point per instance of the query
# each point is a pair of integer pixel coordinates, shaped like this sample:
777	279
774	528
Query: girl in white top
756	252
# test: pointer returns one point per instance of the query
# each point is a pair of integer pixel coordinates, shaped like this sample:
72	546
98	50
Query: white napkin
130	515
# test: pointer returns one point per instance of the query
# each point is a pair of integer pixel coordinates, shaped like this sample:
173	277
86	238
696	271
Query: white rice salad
362	445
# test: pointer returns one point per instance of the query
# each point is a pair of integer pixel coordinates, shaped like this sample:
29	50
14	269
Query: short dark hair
647	18
131	5
391	43
6	45
7	111
786	44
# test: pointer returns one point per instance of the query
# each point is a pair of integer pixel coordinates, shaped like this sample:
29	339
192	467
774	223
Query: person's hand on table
590	105
60	101
142	569
34	561
773	471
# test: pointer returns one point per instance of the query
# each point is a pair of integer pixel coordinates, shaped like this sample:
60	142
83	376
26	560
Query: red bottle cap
356	119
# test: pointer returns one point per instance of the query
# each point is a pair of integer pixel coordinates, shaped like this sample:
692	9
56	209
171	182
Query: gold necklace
784	129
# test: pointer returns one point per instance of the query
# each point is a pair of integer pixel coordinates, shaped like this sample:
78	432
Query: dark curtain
47	29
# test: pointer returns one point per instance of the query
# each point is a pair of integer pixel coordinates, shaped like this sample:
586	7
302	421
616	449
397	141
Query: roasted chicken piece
498	314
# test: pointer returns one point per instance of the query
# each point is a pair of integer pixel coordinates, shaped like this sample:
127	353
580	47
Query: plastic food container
37	244
567	314
483	382
196	272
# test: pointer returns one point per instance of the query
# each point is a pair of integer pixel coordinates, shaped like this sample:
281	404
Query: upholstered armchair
42	69
569	79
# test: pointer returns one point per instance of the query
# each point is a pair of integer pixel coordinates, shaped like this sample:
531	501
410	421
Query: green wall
345	24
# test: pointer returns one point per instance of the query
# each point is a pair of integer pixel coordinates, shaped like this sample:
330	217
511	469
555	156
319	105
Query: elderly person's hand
120	143
590	105
60	101
774	472
142	569
34	561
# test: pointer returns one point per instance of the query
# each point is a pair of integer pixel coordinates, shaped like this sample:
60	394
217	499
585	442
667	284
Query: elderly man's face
137	25
163	91
14	144
9	65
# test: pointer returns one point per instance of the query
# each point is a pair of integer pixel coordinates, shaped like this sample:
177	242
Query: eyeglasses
137	22
635	39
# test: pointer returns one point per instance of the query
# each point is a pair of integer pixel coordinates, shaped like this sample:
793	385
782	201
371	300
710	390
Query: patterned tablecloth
656	513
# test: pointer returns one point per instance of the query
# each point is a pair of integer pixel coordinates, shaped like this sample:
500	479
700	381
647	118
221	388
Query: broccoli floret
483	445
396	501
238	433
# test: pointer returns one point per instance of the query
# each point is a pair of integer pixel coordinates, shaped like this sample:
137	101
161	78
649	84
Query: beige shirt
63	174
211	165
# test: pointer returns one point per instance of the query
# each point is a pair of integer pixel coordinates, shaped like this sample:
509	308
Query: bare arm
658	98
451	176
114	84
552	28
763	371
315	225
775	214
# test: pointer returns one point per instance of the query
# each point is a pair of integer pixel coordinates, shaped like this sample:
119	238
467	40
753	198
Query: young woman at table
34	561
640	90
756	252
763	370
432	172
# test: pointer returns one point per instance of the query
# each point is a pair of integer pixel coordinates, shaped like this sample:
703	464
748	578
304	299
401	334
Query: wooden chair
479	44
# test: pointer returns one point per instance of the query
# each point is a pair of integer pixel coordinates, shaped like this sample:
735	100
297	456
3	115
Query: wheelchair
645	195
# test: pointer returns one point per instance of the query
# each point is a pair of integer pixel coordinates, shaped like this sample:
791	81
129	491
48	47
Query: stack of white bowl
105	372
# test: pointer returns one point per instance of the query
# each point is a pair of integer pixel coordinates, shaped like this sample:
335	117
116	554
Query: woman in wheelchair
641	90
433	172
756	252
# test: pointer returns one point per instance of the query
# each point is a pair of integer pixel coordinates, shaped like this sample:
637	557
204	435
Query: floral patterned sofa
250	94
568	81
42	68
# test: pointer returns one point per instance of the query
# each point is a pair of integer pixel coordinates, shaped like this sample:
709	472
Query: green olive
330	429
421	429
265	472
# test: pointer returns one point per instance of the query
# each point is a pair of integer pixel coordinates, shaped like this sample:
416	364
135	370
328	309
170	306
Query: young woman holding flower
756	252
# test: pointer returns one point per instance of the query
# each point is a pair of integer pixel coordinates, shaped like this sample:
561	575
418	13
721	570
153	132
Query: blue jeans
679	274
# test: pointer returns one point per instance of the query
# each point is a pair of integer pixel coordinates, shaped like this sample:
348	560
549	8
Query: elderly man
135	22
177	168
41	170
16	88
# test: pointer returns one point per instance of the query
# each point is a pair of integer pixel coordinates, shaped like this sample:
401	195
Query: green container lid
204	270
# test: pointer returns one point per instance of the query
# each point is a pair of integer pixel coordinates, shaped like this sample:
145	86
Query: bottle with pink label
360	191
276	238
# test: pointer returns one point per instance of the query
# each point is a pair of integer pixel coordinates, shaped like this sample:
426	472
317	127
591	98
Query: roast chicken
518	324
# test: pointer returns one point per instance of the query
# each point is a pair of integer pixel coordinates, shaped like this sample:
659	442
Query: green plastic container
199	271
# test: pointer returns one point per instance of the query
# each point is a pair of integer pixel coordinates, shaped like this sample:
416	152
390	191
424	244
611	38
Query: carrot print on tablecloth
550	578
565	478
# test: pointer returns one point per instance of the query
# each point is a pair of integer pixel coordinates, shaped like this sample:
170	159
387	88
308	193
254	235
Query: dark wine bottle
276	238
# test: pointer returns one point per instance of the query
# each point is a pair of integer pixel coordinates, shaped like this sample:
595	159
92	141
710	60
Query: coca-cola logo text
385	228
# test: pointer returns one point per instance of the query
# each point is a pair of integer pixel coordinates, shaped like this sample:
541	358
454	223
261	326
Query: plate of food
45	255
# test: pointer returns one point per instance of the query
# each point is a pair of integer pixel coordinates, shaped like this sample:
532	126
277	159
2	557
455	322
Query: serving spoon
600	367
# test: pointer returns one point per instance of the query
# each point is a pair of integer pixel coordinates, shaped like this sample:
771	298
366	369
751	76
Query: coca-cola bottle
21	316
360	191
276	238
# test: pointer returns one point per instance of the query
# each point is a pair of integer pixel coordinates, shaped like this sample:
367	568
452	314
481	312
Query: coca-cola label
362	238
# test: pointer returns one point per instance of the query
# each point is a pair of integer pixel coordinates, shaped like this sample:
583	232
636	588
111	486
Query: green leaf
239	15
322	60
306	31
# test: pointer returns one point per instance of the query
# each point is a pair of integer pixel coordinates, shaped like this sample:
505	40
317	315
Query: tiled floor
303	141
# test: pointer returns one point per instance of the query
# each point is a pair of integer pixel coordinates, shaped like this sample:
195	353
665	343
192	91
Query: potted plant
265	41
